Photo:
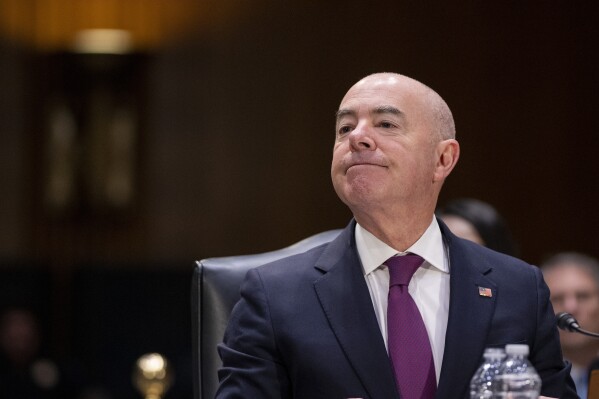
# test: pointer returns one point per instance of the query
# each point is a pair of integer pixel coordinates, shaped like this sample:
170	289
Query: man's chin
360	197
576	343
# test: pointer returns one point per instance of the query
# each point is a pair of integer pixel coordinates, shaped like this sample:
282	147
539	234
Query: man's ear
448	153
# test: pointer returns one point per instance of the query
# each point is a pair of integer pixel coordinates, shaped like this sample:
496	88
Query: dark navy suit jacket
305	326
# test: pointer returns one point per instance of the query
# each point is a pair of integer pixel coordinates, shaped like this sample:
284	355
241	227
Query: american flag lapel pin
484	291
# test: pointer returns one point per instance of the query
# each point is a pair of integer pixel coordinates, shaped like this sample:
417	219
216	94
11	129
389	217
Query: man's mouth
363	164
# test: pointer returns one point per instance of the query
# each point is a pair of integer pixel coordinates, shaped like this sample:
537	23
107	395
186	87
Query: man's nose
362	139
571	304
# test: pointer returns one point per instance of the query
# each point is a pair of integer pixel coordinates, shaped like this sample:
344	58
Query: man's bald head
439	115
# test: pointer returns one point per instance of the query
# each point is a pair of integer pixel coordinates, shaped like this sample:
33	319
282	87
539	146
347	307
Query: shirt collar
374	252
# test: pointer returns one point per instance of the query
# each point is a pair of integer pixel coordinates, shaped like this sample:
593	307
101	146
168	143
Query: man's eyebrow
382	109
344	112
387	109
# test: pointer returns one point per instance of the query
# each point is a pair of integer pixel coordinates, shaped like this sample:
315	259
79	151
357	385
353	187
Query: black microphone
567	322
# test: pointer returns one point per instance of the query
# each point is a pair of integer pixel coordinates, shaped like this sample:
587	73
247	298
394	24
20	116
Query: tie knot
402	268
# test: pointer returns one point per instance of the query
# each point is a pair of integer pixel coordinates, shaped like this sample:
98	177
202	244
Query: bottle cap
517	349
494	353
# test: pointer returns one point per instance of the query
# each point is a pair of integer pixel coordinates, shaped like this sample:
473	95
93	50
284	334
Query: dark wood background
238	127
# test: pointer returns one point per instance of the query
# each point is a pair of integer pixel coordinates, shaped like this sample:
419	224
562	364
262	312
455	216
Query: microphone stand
567	322
589	333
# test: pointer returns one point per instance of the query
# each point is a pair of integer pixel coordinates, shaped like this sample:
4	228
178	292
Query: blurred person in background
26	372
479	222
573	279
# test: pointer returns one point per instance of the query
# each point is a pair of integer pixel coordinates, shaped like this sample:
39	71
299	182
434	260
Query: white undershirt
429	286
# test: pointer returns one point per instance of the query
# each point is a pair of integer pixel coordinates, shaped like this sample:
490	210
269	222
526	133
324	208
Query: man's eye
583	296
344	129
557	300
386	125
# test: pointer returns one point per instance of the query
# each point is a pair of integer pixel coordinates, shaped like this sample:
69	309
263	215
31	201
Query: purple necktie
409	346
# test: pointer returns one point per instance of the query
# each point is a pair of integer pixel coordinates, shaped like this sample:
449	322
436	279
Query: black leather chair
215	290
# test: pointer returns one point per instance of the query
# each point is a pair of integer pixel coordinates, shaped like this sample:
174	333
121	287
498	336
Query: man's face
384	154
574	290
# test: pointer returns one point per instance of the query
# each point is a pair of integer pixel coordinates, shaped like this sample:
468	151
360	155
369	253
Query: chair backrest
214	292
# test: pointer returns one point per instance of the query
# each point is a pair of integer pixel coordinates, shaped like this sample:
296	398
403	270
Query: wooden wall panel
239	125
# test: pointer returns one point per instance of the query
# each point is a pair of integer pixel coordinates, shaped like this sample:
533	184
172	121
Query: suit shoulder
495	259
293	263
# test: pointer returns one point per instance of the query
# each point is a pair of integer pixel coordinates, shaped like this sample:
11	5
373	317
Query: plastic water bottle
517	378
481	385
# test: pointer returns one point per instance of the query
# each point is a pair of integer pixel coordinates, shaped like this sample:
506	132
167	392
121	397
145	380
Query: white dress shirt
429	286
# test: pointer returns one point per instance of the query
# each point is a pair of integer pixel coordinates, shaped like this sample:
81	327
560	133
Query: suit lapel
469	319
345	299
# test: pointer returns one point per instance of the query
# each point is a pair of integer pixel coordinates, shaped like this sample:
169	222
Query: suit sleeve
251	364
546	354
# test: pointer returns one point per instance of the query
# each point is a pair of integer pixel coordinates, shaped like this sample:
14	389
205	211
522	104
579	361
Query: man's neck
398	233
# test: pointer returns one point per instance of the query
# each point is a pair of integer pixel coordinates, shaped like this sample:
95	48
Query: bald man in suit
315	325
